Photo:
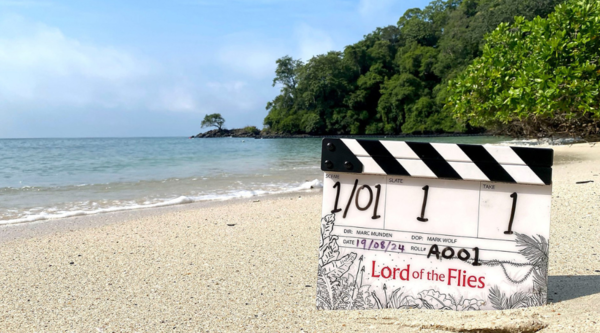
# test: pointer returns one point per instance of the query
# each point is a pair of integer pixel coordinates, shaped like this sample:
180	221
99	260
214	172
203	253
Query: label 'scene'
403	242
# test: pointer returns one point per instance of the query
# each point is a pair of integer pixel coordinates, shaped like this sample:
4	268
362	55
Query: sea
43	179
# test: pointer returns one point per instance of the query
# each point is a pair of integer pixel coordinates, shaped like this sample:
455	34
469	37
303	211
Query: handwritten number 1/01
337	186
512	214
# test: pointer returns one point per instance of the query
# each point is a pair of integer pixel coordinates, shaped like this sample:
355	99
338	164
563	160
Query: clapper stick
515	165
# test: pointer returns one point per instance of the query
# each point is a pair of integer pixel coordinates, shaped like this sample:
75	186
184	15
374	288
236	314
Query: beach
251	265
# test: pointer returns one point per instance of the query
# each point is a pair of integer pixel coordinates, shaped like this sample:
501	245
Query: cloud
176	99
312	42
41	67
255	59
235	97
230	87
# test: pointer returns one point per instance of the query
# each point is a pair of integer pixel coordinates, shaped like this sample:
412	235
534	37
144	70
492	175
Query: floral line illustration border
339	289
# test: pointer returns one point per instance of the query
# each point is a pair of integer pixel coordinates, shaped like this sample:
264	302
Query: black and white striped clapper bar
433	225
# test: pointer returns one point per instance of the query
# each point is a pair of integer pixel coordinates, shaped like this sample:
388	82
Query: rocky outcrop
253	132
285	136
238	133
246	132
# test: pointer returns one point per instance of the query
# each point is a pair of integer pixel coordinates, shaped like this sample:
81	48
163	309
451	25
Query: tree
282	110
399	92
213	120
538	77
286	72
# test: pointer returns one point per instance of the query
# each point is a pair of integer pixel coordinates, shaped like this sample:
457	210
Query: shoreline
23	230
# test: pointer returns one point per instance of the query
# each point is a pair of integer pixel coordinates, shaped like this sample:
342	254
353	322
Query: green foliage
213	120
538	77
393	80
251	130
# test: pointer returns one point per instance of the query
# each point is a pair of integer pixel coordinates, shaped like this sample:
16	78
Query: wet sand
250	265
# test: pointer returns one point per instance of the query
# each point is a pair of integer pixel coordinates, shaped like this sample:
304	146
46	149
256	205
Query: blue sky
155	68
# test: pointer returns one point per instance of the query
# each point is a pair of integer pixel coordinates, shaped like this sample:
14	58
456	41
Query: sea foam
52	213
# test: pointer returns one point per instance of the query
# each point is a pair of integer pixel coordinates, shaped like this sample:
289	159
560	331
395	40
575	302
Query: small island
216	120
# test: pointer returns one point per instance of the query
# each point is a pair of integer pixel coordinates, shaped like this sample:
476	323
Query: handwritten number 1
422	217
476	261
375	216
512	214
337	198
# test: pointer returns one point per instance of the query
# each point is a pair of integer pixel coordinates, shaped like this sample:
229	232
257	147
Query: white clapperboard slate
433	226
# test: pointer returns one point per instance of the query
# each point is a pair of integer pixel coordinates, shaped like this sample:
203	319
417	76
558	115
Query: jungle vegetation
395	80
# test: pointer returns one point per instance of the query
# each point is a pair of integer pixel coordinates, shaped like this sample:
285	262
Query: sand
251	266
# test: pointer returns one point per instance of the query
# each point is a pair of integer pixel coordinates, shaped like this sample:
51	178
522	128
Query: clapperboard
433	225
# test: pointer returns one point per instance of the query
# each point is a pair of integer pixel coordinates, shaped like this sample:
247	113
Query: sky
156	68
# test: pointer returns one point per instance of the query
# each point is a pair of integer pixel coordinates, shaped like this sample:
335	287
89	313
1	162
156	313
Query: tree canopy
538	77
213	120
394	80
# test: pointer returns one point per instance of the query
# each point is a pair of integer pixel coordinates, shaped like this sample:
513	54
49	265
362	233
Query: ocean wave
103	185
236	194
63	214
310	185
542	142
52	213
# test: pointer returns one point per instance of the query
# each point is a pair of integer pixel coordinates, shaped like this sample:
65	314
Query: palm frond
540	281
516	300
497	298
336	268
324	293
534	249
